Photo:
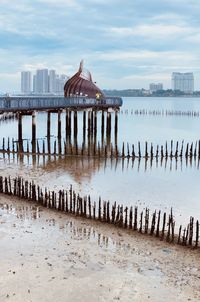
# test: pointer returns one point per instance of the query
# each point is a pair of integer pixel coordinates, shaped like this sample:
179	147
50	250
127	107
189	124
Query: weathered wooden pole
84	126
92	123
108	129
95	123
69	123
107	124
116	126
33	132
102	127
89	123
48	124
66	123
75	124
20	140
59	125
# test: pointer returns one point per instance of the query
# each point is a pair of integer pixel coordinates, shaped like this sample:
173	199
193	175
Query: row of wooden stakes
188	113
68	201
172	150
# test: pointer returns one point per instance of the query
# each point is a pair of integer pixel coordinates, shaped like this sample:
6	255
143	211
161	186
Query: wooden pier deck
40	103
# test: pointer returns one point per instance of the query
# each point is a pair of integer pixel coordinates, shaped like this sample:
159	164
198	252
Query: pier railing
21	103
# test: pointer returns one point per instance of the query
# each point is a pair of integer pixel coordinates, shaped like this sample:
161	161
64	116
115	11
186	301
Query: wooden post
99	210
141	222
158	225
113	213
135	218
75	125
59	125
179	236
139	150
102	126
116	126
70	124
84	126
163	228
33	132
197	234
48	124
95	123
89	123
131	218
20	140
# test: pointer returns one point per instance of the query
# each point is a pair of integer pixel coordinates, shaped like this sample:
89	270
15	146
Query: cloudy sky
125	44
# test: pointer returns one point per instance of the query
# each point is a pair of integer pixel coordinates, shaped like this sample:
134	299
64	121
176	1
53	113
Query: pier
40	103
89	107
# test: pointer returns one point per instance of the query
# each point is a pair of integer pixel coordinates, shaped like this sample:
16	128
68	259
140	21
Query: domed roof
81	84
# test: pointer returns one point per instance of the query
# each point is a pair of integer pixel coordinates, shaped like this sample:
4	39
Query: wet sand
49	256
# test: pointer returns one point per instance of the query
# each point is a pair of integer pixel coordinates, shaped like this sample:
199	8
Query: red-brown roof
81	84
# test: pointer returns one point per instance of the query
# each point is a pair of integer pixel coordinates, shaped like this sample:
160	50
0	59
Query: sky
125	44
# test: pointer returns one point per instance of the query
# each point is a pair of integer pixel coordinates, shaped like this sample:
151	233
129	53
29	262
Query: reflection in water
26	212
82	167
78	230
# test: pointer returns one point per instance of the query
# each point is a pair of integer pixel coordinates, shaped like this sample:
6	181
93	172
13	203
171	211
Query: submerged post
48	124
59	125
102	126
20	141
84	125
75	124
116	126
33	132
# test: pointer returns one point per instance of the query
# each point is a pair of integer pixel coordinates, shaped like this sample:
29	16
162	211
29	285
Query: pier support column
20	140
84	126
108	128
75	124
102	127
116	126
70	124
59	125
89	122
59	133
95	123
107	123
49	132
66	124
95	130
92	122
33	132
89	131
48	124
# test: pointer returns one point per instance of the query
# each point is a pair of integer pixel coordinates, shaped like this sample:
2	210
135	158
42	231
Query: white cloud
63	3
152	31
139	55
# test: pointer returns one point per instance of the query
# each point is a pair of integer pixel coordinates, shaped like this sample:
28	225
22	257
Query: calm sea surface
156	184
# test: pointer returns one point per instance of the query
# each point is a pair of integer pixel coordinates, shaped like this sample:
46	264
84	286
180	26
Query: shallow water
156	184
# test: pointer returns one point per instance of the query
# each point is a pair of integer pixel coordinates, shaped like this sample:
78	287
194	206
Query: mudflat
50	256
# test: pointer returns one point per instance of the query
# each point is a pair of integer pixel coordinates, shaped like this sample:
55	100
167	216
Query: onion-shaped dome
81	84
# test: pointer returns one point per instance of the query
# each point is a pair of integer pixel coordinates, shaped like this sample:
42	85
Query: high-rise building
41	81
153	87
44	82
60	83
34	83
52	81
26	82
183	82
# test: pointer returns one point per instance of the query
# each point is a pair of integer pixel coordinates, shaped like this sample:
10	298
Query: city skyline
42	81
125	45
